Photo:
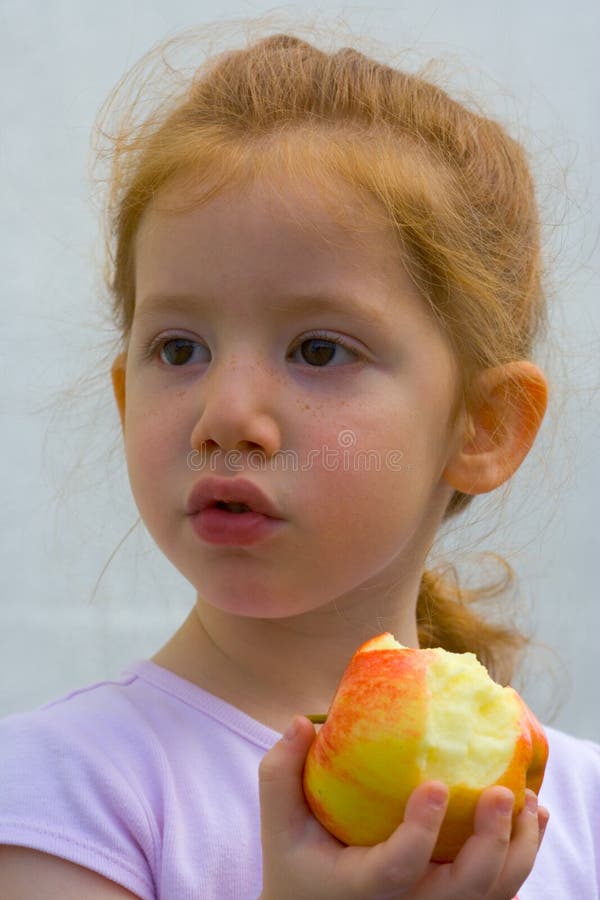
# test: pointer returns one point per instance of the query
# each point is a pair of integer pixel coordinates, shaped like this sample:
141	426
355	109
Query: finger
481	860
543	817
523	848
393	867
282	804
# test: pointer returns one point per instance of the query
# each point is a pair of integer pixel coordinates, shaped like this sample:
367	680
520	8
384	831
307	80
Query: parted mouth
230	507
233	494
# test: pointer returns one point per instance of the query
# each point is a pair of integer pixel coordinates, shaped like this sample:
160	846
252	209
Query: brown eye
319	351
177	351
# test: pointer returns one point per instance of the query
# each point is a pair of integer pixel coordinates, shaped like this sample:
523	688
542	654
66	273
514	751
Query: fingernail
504	804
531	803
291	731
436	796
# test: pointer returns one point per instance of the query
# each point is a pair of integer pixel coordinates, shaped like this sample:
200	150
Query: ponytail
446	619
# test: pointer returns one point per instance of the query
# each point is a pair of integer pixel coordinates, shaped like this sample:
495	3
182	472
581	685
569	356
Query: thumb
282	804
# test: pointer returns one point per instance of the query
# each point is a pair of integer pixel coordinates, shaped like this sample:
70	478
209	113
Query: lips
209	491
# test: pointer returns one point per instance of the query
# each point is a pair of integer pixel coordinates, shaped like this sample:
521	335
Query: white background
66	506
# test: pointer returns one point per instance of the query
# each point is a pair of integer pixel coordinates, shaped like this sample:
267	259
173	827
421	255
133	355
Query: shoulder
571	789
572	761
72	774
568	863
126	778
92	733
563	742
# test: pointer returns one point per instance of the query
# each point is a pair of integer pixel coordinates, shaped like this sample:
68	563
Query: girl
326	279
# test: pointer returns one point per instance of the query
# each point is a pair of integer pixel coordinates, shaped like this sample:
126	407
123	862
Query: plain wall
66	505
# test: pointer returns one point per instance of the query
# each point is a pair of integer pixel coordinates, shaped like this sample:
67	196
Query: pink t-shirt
153	783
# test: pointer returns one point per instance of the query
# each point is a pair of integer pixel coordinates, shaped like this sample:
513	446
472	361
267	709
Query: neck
273	668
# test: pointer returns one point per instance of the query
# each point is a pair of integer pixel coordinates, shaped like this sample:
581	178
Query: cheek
151	448
355	485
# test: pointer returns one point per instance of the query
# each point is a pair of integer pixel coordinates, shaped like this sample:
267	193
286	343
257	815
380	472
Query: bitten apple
401	716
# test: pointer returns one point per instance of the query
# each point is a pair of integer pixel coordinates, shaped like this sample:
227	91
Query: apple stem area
317	719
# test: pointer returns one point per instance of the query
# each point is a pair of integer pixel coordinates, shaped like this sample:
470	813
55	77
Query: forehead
276	232
298	207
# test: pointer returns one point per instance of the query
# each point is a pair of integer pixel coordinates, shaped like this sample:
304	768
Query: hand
302	861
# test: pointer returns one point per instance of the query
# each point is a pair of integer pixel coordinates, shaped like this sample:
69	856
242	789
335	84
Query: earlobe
117	372
501	430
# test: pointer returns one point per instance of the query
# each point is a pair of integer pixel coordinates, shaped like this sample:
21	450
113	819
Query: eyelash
149	350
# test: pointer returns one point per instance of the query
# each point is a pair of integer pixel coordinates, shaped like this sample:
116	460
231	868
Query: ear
118	381
501	429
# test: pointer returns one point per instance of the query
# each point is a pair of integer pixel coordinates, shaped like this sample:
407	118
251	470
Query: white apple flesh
401	716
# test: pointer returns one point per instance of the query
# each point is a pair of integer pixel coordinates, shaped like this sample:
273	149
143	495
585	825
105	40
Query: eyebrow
156	305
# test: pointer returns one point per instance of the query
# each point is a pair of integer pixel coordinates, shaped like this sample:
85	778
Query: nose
238	410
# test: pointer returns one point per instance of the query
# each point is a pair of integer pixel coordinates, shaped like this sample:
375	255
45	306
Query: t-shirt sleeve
64	791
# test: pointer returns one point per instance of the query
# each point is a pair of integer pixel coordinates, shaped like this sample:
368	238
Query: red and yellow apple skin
379	742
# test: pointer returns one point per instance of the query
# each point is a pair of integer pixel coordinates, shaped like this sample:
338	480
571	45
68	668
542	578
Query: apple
401	716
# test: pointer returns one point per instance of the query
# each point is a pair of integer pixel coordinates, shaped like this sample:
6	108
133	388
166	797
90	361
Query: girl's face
349	440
